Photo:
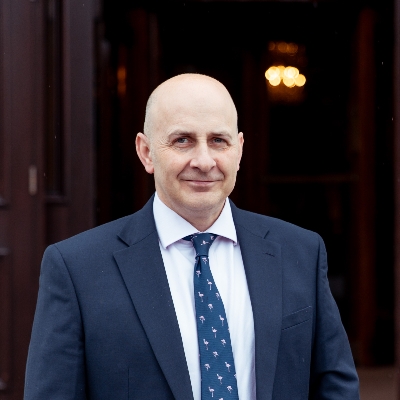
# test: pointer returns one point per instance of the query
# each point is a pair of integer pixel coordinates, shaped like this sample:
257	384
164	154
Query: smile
200	183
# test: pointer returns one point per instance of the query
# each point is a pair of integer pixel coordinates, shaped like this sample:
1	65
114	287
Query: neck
201	219
201	223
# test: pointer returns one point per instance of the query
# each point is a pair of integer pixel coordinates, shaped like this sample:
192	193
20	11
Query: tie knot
201	242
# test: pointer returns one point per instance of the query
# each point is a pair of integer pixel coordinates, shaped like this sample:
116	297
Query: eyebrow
222	133
179	132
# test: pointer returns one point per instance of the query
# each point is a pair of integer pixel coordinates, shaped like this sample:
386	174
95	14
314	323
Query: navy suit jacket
105	325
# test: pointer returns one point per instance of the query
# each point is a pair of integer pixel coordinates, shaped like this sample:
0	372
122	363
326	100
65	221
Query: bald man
122	313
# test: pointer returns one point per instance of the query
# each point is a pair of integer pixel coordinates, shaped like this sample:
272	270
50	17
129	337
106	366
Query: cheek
170	167
228	166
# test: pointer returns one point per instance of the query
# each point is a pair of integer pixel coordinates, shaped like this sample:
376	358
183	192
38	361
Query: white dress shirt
226	265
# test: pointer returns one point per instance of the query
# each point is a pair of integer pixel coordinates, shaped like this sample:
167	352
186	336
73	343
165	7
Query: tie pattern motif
218	375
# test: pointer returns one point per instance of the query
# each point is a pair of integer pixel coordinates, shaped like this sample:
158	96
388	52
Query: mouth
200	184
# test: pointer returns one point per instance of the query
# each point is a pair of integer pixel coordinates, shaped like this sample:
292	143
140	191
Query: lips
202	182
198	180
202	179
201	185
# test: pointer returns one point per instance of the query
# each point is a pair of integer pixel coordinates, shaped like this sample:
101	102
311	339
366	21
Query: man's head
192	146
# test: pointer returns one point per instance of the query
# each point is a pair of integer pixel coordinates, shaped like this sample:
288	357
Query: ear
240	149
144	153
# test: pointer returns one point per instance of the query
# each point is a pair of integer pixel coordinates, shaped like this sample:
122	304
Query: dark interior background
302	155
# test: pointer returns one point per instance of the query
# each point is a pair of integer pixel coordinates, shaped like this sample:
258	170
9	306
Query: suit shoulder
102	237
280	230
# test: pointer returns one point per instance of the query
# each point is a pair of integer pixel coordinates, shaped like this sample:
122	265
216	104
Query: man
122	312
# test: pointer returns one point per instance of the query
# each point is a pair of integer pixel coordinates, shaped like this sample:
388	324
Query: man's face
195	149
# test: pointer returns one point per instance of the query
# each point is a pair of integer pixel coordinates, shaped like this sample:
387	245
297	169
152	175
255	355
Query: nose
202	158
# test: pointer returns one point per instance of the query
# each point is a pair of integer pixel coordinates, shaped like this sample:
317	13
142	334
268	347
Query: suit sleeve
55	367
333	374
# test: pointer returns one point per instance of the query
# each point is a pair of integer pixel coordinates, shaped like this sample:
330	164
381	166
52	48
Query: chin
203	201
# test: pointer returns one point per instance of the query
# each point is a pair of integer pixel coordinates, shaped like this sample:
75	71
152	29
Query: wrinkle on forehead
188	93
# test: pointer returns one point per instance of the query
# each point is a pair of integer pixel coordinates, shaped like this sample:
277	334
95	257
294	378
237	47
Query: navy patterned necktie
218	375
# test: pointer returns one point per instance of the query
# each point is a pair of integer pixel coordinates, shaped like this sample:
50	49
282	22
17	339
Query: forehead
202	105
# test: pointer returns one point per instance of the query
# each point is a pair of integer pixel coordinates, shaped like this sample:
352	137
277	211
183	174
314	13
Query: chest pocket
296	318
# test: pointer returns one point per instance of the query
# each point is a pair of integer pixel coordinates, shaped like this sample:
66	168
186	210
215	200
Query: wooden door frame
396	112
30	218
73	209
22	213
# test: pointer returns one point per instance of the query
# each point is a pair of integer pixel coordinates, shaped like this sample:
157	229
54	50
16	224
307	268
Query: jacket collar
139	225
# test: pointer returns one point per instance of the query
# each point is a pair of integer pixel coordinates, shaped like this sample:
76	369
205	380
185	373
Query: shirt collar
171	227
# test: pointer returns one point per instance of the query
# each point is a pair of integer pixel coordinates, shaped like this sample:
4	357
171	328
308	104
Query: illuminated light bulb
275	72
276	81
289	82
272	73
282	47
268	74
291	72
290	76
271	46
281	70
300	80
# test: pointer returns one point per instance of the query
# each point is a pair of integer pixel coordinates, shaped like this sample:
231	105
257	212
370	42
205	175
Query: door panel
21	198
33	109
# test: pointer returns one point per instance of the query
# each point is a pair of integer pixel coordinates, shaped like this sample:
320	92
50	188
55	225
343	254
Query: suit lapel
142	269
262	262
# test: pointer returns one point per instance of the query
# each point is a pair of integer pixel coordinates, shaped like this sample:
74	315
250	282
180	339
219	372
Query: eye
182	140
219	141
